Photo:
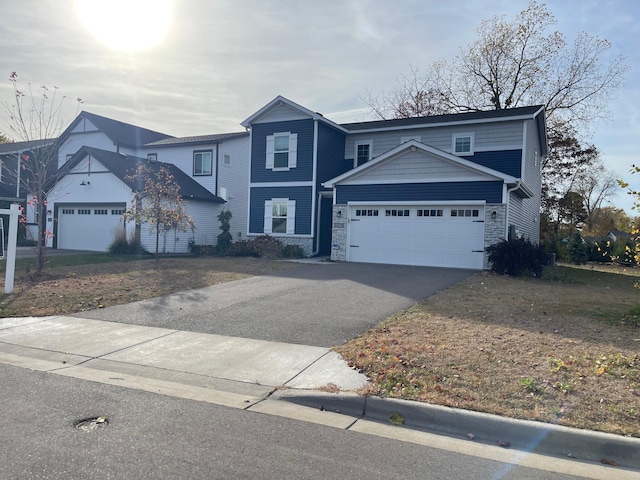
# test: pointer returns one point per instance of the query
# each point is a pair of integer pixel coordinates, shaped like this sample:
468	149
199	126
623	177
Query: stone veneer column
494	228
339	233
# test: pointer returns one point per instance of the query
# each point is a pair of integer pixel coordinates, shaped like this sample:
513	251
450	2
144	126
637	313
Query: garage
428	235
88	227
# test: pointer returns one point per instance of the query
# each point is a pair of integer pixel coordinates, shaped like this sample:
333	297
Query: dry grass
77	288
561	350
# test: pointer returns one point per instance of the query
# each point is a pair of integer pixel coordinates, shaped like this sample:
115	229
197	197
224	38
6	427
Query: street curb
523	435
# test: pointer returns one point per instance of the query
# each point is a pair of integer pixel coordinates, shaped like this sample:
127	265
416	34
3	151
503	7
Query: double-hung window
462	144
280	216
202	162
282	151
362	153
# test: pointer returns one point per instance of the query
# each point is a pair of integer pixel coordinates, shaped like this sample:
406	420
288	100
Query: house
96	155
432	191
12	175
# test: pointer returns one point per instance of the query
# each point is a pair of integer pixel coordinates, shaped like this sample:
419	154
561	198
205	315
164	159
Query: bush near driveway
563	349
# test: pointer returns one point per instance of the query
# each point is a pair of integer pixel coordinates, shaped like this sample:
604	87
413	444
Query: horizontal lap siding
302	196
505	161
491	192
304	169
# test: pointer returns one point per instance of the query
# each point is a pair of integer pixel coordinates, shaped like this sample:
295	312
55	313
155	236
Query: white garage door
439	236
88	227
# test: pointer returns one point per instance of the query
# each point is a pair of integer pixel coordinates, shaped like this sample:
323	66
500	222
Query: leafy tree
157	202
4	138
605	219
35	119
635	251
578	250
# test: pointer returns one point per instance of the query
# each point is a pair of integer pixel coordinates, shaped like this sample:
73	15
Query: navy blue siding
505	161
491	192
304	170
331	162
302	196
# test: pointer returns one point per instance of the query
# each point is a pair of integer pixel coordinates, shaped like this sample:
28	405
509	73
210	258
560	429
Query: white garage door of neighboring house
438	236
83	227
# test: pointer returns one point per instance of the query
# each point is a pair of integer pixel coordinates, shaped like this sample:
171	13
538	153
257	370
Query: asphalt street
320	304
150	436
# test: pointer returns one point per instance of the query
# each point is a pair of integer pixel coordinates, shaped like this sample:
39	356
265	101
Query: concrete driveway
321	304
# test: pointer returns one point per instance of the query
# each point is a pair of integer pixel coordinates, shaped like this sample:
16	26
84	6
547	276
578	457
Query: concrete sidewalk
288	380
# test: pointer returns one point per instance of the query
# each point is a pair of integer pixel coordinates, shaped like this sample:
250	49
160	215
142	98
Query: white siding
203	214
75	141
493	136
235	178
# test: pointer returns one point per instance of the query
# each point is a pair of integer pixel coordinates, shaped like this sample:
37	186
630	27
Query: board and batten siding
331	162
281	113
75	141
491	192
505	135
302	196
304	169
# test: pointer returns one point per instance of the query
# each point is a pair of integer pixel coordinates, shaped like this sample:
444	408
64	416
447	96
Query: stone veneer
494	230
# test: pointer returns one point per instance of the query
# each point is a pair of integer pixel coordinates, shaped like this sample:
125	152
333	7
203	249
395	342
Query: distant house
12	175
616	235
96	154
430	191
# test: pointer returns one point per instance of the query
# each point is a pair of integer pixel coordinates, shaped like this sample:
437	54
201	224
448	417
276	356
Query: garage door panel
83	227
435	238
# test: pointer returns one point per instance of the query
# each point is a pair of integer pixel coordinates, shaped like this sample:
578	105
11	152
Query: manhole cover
92	423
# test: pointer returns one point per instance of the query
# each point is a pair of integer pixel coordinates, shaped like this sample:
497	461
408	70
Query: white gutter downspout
509	190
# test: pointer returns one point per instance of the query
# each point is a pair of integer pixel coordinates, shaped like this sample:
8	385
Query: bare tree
37	120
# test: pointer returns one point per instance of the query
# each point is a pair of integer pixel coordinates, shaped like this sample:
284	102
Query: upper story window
362	152
226	159
282	151
152	156
202	162
463	144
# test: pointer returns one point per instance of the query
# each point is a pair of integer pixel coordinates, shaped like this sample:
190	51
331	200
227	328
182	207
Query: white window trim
456	136
355	151
291	217
210	152
293	151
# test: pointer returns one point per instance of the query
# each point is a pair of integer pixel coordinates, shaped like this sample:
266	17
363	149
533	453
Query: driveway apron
321	304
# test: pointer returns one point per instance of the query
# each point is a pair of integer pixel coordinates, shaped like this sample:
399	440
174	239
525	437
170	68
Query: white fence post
14	213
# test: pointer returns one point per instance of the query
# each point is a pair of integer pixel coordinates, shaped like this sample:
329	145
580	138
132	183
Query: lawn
563	349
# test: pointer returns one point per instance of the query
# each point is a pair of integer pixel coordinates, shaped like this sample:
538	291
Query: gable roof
121	133
197	139
123	166
280	101
19	147
415	145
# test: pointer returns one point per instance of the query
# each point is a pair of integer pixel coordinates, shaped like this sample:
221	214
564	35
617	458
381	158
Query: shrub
292	251
624	252
578	250
601	251
517	258
123	246
225	239
263	246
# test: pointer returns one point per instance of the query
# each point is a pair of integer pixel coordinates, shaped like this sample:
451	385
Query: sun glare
126	25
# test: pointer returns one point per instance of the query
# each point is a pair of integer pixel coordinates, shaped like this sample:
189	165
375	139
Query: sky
216	62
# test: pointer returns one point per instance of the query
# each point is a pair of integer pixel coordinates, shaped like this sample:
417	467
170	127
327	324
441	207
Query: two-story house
430	191
98	155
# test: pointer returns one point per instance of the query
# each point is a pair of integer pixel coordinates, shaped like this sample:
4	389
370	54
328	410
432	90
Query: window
464	213
362	153
430	213
282	151
84	211
152	156
202	162
396	213
117	211
67	211
279	216
226	159
98	211
463	144
366	213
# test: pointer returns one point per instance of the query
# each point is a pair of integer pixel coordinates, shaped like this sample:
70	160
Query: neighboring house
616	235
430	191
12	175
93	181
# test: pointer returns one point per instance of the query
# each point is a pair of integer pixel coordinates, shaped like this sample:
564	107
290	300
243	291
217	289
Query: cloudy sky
218	61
